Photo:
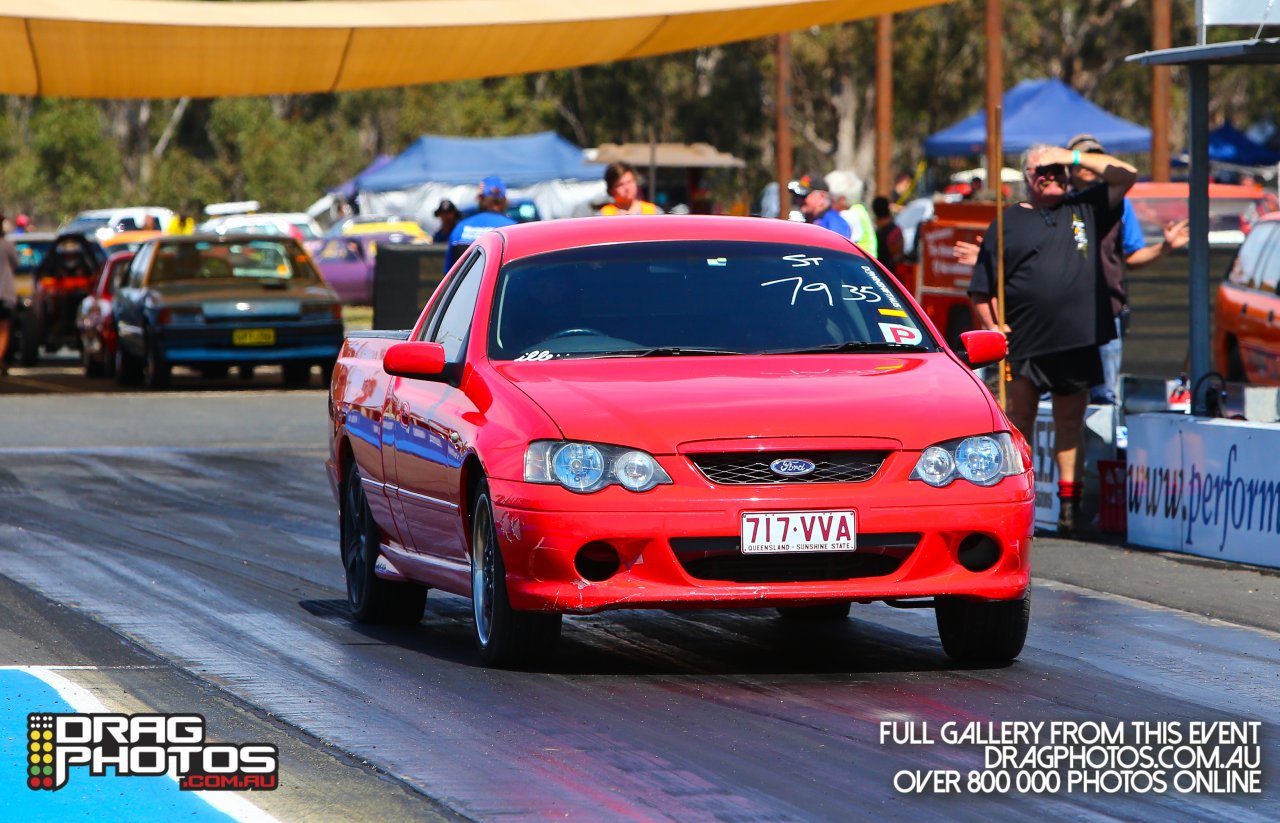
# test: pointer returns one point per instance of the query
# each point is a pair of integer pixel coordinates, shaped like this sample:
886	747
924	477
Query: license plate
253	337
818	531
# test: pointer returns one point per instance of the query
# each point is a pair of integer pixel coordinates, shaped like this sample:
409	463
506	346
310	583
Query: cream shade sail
183	48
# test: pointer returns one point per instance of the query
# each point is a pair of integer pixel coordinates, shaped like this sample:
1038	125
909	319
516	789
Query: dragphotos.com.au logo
144	745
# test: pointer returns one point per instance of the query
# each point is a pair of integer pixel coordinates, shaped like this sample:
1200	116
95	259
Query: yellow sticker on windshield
894	312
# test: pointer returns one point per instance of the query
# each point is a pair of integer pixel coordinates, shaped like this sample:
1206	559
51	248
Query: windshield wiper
851	346
668	351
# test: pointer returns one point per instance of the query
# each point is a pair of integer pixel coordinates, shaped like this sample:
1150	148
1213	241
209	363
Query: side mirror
982	348
422	361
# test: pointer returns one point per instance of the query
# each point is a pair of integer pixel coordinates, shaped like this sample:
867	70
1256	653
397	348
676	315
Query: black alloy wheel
372	599
504	637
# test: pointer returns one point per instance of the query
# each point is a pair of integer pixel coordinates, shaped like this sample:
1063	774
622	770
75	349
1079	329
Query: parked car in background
95	320
347	263
1246	336
104	222
1233	209
32	248
61	280
262	223
377	224
128	240
677	412
211	302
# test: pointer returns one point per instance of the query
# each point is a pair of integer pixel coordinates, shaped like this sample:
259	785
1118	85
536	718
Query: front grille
719	559
746	468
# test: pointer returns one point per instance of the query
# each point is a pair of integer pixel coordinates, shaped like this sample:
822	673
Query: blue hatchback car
211	302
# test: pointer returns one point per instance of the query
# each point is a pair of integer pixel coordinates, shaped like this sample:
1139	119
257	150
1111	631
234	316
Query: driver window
455	320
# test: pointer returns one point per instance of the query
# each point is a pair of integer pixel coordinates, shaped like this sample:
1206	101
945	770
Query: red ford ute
677	412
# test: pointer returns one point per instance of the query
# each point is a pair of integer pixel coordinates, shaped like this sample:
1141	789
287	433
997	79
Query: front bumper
678	547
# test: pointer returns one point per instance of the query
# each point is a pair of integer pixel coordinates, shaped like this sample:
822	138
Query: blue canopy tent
347	190
1040	111
1227	144
521	160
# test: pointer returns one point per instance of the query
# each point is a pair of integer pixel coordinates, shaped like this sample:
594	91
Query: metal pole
995	87
1161	91
884	104
653	167
783	103
1005	374
1198	208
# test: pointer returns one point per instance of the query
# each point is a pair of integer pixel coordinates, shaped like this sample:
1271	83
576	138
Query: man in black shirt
1057	307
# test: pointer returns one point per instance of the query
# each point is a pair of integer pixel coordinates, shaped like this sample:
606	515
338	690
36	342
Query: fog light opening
597	562
978	552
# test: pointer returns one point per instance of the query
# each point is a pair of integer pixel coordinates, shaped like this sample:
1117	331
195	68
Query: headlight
590	467
982	459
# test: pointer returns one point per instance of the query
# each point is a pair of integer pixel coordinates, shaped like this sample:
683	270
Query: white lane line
85	702
307	446
1133	601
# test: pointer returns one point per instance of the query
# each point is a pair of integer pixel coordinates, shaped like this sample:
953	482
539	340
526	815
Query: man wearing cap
1122	248
816	207
492	215
449	216
1057	310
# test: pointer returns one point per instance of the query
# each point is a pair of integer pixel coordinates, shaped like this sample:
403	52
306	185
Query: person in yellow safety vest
846	192
180	223
620	181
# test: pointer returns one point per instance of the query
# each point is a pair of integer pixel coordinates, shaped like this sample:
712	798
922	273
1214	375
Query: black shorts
5	311
1063	372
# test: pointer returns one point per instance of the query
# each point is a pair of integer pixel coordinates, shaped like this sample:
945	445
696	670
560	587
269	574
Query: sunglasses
1055	170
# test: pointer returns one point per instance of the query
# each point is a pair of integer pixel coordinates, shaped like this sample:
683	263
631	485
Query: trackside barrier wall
1204	486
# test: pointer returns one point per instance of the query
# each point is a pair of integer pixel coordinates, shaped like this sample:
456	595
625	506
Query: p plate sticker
894	333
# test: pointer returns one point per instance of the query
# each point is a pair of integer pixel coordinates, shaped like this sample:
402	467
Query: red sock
1069	488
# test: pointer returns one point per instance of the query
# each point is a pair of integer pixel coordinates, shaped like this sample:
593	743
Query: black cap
446	205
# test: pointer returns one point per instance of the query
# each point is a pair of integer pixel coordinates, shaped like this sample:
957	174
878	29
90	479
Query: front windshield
698	298
266	260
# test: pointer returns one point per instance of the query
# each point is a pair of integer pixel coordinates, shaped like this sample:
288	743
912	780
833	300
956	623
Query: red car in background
677	412
95	320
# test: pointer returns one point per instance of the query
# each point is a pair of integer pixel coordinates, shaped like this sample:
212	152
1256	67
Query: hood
659	403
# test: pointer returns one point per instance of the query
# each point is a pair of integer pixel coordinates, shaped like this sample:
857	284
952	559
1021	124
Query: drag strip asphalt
192	539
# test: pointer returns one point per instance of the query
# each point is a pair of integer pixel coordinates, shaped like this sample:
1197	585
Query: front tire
1235	363
505	637
297	375
29	353
155	368
372	599
128	368
93	367
991	632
